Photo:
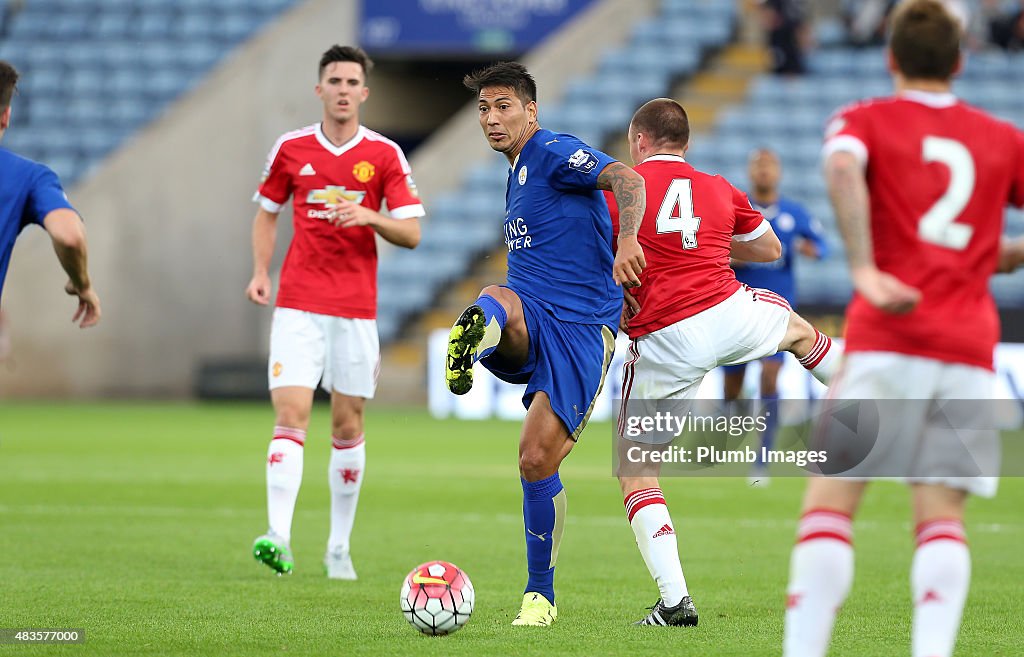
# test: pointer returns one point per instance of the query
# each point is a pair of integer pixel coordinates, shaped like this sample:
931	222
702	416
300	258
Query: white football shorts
670	363
934	420
339	353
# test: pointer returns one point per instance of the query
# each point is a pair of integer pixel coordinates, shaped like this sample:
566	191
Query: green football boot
274	551
463	342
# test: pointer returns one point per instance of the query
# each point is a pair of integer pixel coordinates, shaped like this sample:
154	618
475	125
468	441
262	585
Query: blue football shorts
567	361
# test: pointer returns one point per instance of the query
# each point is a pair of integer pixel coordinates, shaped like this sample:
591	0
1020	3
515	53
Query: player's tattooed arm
848	190
630	195
849	194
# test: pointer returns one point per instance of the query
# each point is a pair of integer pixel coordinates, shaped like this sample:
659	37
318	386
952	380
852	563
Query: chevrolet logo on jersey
332	195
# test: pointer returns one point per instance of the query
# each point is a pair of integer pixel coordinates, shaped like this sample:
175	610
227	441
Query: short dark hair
8	82
664	121
338	53
925	40
503	74
764	150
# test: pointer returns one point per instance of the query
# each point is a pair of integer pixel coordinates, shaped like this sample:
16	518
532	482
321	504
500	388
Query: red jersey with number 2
691	221
940	174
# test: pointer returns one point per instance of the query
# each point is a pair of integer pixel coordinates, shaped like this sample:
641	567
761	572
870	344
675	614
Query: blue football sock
494	322
543	515
770	410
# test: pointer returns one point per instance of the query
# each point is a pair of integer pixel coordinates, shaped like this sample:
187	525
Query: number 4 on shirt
679	195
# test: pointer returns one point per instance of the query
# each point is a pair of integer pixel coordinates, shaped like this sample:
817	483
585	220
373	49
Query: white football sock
939	579
820	575
652	526
823	359
345	475
284	476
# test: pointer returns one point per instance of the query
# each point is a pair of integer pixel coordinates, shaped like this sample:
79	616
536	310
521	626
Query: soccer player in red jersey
324	331
919	182
693	315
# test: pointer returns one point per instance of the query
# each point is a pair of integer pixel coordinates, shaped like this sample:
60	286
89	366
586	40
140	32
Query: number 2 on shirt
938	225
679	194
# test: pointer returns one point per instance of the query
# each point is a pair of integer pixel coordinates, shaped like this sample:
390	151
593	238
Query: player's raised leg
345	478
292	405
821	565
544	443
815	350
941	571
494	321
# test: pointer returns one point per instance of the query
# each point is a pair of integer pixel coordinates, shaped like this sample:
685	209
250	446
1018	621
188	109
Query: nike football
437	598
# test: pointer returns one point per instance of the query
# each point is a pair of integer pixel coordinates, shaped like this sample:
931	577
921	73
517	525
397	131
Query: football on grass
437	598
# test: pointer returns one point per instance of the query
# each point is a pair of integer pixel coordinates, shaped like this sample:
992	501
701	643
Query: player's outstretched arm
264	234
400	232
627	186
67	232
848	191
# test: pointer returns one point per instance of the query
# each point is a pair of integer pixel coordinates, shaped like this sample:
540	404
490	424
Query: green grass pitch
134	522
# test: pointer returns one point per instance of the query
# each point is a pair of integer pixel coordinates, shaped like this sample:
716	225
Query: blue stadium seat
119	62
198	56
129	112
120	55
68	26
95	143
194	25
154	24
238	25
86	82
31	25
110	26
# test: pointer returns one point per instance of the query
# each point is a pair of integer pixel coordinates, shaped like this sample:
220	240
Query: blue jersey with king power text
791	222
558	230
28	192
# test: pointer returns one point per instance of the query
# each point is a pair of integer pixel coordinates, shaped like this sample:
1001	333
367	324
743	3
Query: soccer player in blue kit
552	325
30	193
798	232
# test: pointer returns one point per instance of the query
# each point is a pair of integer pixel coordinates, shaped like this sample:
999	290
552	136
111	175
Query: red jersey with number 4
330	270
691	221
940	174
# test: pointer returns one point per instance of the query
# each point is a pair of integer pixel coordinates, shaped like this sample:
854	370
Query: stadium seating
95	71
789	115
660	51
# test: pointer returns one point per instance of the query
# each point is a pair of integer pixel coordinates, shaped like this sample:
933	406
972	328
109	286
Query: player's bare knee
800	335
347	424
935	502
348	428
536	463
291	415
502	295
